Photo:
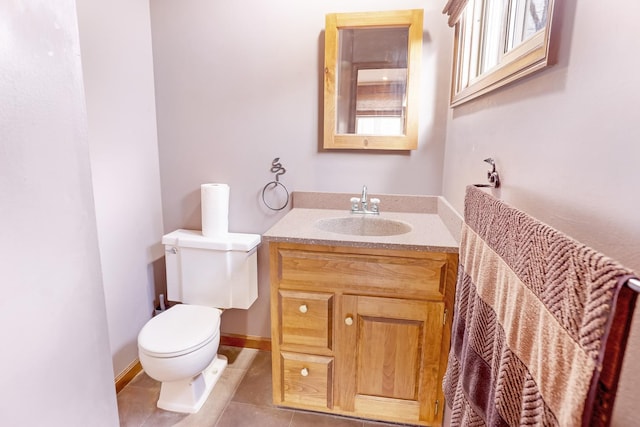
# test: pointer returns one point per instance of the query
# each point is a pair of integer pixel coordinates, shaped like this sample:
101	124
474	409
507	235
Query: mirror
380	102
497	43
371	79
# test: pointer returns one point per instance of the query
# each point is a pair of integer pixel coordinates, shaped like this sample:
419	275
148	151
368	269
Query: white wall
240	83
118	75
55	367
567	143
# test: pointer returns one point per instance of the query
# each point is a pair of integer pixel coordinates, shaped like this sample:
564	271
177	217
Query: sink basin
363	226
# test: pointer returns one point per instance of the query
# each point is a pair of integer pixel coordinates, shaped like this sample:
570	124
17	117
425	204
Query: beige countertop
435	226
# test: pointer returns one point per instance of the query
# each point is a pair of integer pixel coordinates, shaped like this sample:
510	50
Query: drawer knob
348	320
303	308
304	372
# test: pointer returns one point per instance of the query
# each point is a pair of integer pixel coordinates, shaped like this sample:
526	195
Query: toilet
178	347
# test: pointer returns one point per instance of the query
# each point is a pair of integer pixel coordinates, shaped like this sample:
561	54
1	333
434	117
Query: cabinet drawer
306	319
307	380
421	275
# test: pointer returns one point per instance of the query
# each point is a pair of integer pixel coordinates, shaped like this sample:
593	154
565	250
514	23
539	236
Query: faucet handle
374	204
354	203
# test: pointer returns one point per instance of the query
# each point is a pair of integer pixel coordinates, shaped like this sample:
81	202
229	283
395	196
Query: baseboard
127	375
247	341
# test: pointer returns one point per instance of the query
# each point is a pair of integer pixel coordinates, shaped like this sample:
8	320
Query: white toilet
178	347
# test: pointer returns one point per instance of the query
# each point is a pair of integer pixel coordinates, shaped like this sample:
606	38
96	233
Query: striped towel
536	316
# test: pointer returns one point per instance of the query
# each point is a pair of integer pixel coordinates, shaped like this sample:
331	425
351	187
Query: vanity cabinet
359	331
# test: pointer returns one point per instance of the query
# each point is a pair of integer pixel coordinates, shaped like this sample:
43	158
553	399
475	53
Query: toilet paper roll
215	209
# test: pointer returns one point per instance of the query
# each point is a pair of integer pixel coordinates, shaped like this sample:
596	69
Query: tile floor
241	398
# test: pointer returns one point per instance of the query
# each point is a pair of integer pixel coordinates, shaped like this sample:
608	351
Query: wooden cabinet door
388	358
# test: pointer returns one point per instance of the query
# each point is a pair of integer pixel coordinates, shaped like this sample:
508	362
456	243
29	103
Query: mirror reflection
372	81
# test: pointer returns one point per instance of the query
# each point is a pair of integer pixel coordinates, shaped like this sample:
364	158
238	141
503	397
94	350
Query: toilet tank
217	272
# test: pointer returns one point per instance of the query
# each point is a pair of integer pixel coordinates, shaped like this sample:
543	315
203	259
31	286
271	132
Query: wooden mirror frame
529	56
413	20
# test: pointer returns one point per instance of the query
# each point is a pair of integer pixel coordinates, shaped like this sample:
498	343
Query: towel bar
634	284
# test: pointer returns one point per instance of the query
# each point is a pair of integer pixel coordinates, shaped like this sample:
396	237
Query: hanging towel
540	323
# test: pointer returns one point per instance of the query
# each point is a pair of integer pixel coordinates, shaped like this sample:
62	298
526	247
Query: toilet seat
180	330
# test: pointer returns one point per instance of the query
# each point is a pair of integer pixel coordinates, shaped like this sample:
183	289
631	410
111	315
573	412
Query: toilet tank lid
227	242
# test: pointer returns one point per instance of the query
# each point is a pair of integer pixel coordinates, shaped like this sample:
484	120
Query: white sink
363	225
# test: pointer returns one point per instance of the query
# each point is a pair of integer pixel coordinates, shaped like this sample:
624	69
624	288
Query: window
496	42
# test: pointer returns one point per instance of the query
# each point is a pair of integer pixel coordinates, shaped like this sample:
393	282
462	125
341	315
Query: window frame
531	55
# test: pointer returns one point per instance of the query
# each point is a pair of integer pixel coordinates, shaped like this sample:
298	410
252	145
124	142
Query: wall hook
492	175
276	167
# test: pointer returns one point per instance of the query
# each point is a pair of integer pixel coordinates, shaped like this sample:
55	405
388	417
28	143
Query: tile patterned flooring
241	398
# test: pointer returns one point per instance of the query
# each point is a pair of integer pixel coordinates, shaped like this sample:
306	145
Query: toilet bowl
178	348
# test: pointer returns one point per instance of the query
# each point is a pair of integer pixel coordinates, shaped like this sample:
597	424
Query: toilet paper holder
278	170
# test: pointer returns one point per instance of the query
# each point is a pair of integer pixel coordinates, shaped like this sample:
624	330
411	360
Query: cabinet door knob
303	308
348	320
304	372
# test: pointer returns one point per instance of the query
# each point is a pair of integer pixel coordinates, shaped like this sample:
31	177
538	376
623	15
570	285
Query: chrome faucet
361	205
363	198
